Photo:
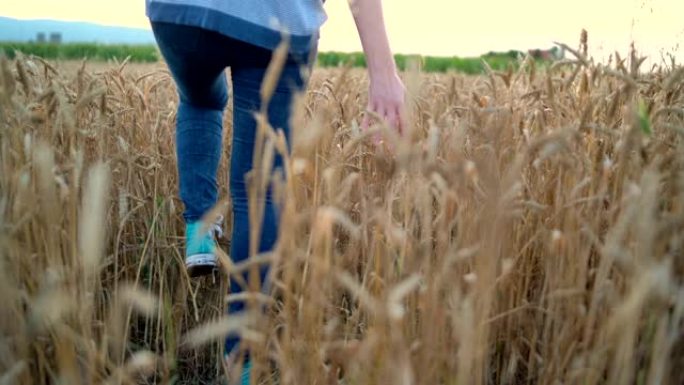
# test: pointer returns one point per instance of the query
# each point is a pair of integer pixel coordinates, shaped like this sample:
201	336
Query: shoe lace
217	227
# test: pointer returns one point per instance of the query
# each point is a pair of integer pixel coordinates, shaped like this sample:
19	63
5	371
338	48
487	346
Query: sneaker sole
201	270
200	264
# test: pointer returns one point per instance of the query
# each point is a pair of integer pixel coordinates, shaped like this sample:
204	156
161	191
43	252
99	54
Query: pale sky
448	27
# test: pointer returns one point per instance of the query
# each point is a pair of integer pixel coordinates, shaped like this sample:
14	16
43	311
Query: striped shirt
258	22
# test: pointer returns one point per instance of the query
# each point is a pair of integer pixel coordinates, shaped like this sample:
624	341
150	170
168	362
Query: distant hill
72	32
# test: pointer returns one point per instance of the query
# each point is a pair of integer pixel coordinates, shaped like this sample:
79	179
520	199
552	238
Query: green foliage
643	118
498	61
341	59
78	51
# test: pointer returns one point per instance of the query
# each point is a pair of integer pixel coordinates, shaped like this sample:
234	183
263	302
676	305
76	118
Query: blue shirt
258	22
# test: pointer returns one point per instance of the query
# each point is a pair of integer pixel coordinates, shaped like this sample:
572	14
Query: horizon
441	30
153	43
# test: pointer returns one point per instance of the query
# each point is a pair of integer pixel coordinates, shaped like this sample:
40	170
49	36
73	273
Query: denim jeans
197	59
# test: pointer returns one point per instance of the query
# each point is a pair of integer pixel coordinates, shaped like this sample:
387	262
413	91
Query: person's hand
386	93
386	99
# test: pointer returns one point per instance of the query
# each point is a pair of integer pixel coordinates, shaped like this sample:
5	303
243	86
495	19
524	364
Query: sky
448	27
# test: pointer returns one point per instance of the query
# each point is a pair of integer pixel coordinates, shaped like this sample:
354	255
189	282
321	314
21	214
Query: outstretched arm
386	93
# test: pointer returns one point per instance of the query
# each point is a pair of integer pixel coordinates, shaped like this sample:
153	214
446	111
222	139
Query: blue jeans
197	59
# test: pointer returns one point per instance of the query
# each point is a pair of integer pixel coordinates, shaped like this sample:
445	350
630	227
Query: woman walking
199	39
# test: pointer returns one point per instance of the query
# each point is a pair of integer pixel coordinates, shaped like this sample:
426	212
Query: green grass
149	53
469	65
78	51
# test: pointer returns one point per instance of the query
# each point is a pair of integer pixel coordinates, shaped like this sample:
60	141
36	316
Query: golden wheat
528	228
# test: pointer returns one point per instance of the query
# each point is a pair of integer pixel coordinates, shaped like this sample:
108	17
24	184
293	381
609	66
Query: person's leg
203	96
198	71
248	74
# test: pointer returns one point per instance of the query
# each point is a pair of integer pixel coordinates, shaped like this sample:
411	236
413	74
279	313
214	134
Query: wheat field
527	228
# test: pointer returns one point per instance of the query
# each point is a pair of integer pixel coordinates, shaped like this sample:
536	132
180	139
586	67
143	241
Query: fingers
401	119
367	118
365	123
383	112
392	118
390	113
387	96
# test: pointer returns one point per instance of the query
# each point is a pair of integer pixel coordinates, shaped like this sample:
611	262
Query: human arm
386	91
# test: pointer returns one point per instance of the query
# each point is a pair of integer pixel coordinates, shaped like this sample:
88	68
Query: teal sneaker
246	373
234	377
200	247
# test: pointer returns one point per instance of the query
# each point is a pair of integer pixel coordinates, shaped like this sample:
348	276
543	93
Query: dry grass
529	228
